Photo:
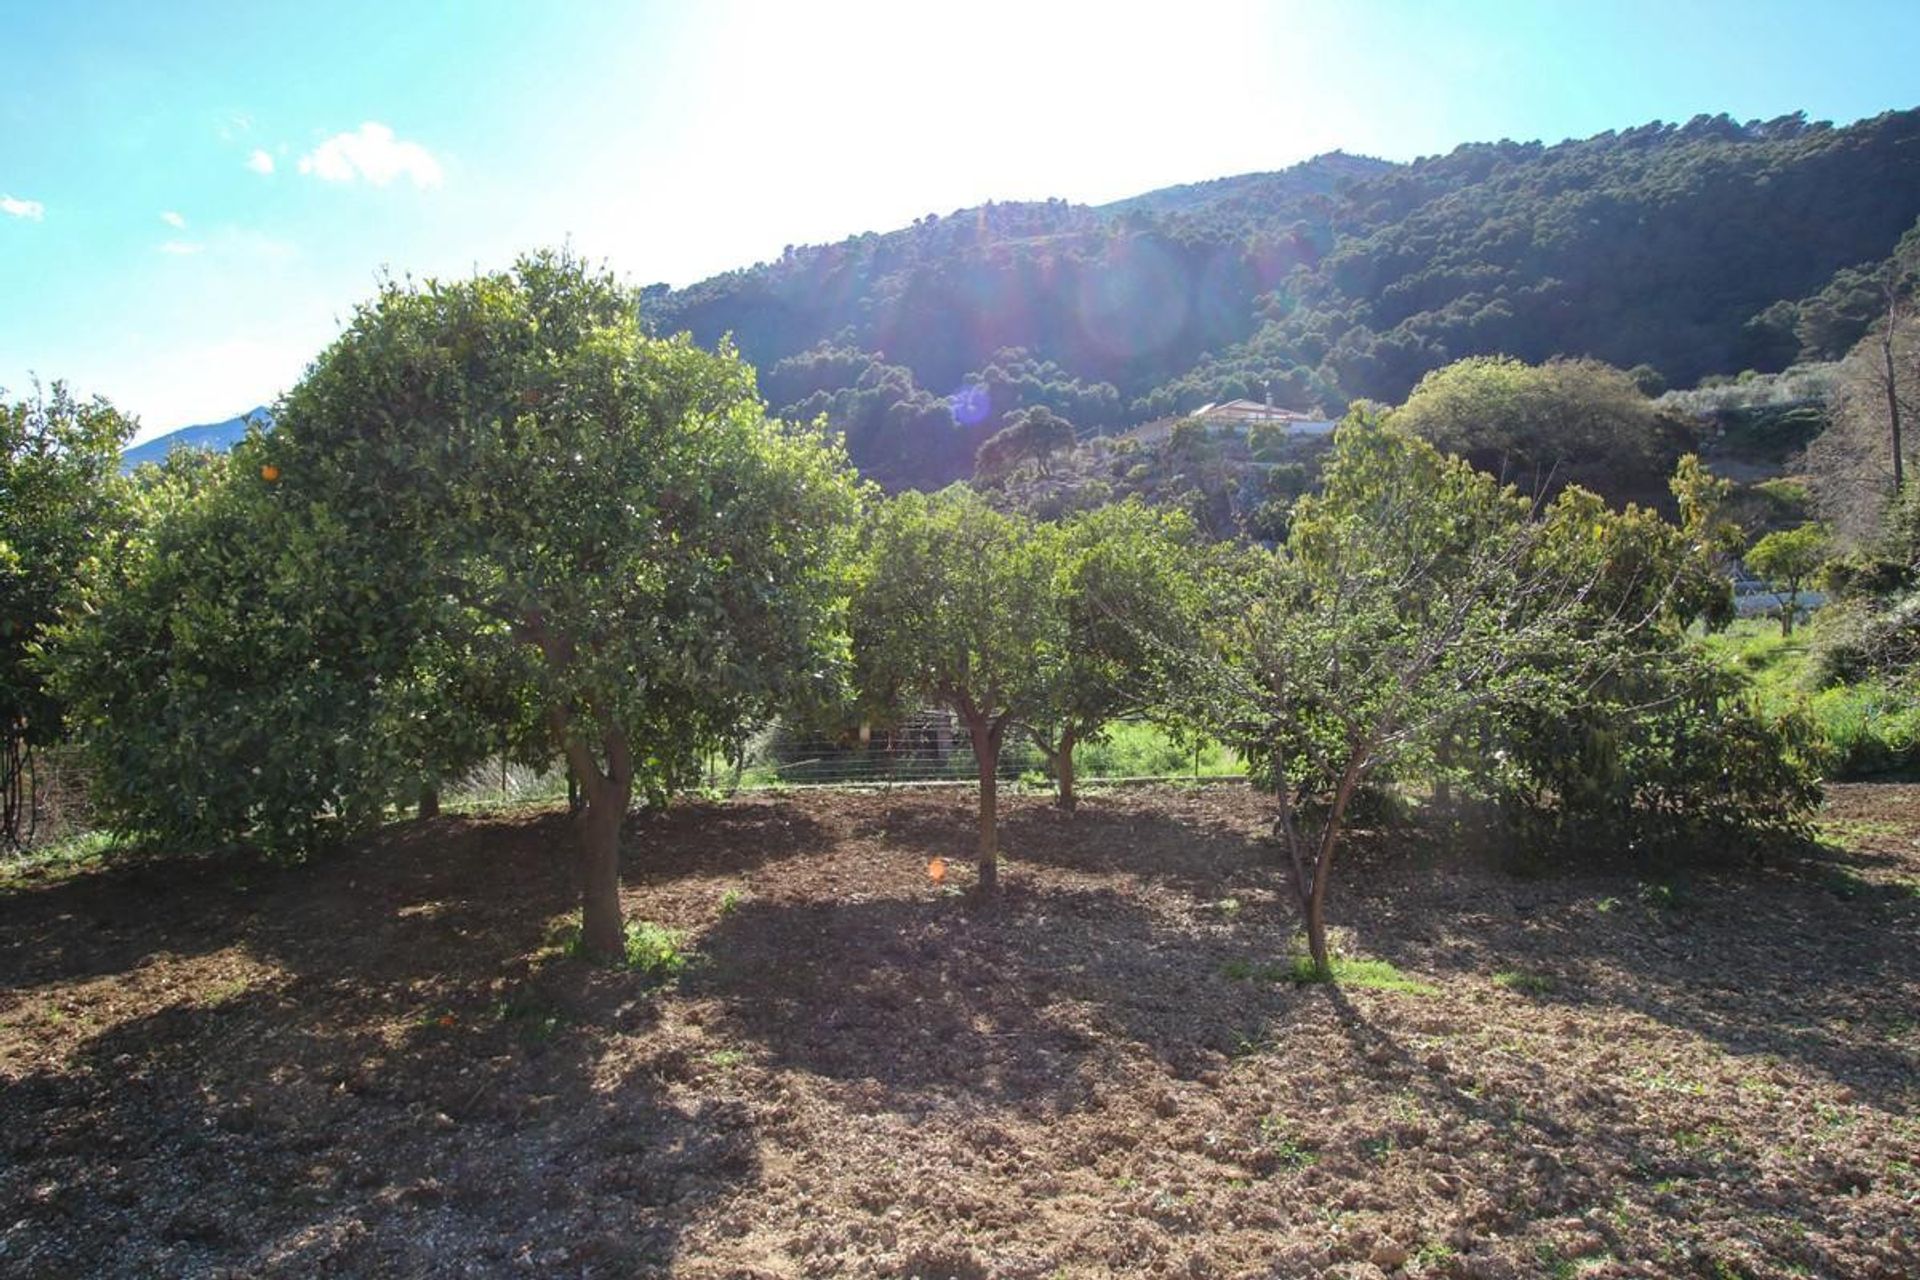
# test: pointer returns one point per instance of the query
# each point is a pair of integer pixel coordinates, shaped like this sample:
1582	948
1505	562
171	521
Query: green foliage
1676	250
1549	425
1787	559
1139	750
1127	585
61	523
1358	971
1423	622
228	685
614	511
1861	725
1532	984
1032	435
958	603
653	951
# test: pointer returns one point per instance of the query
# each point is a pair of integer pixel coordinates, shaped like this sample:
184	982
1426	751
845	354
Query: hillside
1689	249
215	436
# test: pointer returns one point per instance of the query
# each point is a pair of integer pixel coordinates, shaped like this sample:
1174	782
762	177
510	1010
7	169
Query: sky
195	196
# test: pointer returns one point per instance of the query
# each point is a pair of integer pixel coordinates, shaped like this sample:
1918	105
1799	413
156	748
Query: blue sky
193	195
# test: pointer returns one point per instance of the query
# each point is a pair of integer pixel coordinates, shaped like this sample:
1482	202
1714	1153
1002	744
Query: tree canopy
1678	250
59	508
959	604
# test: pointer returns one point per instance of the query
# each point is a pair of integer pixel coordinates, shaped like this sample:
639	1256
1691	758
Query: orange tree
1127	582
59	503
958	604
617	510
1417	603
243	674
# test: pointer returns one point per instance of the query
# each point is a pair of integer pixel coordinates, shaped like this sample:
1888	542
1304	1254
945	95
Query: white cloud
373	153
174	220
181	248
260	161
31	210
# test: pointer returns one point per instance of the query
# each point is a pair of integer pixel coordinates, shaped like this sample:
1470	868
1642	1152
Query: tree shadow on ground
1566	1148
1780	960
1171	837
1026	1002
372	1063
496	871
1795	956
278	1132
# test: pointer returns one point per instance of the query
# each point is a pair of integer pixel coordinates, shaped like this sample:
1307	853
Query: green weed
653	951
1532	984
1355	971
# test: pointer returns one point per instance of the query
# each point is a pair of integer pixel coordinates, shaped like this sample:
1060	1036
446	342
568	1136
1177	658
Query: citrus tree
1127	584
959	604
60	500
243	674
1786	559
511	460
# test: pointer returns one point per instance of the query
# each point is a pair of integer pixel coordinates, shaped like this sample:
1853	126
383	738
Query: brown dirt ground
377	1064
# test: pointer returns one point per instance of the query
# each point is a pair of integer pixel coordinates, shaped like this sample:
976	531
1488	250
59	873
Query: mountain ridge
1690	249
216	437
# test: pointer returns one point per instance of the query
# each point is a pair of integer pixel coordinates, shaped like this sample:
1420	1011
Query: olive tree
958	603
513	453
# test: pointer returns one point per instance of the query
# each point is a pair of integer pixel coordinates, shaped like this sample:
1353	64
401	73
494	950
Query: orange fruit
937	869
269	473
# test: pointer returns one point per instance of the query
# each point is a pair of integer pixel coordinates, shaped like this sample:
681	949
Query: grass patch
1866	729
1531	984
1277	1138
653	951
60	857
1147	751
533	1019
1357	971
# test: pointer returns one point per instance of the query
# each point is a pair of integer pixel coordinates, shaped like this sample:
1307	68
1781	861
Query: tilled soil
379	1064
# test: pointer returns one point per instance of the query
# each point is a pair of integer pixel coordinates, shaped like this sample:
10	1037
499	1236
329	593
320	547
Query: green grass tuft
653	951
1532	984
1355	971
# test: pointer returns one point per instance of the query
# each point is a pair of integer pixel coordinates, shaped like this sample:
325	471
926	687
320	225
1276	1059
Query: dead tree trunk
1891	379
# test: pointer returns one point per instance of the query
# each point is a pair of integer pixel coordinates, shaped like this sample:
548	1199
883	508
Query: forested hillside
1696	249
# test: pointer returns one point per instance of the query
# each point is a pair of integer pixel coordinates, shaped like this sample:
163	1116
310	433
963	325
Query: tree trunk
598	868
1063	769
1893	402
1315	904
429	802
986	754
597	864
1314	908
1786	614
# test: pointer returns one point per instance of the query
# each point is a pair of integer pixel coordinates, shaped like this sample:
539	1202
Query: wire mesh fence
927	749
932	747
